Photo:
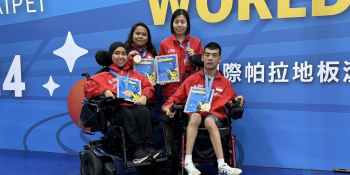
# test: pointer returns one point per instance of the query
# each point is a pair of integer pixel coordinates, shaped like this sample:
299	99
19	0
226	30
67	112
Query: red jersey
223	93
97	84
171	46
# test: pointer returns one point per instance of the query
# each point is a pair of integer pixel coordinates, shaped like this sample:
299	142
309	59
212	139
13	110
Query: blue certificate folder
195	99
134	87
147	68
167	69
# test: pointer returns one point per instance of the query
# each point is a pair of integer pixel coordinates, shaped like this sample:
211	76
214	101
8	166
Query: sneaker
227	170
191	169
141	156
155	154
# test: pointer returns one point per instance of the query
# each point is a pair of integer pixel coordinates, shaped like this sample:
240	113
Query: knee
195	120
210	124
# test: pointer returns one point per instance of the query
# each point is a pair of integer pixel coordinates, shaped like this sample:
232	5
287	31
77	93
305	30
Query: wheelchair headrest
102	58
197	59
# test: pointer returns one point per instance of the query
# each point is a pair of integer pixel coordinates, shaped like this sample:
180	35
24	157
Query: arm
180	96
161	50
93	89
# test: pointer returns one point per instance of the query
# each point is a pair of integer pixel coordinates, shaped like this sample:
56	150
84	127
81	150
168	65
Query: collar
175	39
217	76
115	68
133	48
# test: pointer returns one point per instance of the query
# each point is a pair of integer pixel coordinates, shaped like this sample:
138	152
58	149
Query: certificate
147	68
196	100
167	69
134	89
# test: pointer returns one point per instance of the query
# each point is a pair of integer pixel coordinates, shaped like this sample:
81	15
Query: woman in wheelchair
210	79
135	117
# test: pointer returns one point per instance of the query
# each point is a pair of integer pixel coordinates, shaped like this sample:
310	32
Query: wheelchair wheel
90	164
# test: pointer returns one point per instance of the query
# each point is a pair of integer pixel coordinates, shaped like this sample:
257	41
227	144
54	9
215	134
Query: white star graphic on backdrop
51	85
70	52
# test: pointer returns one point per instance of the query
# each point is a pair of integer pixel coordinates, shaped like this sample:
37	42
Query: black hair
177	13
213	46
150	47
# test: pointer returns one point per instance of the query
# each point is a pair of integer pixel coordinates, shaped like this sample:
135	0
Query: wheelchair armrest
104	102
178	107
235	111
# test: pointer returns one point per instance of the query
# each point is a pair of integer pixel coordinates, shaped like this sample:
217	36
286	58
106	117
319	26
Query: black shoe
141	156
155	154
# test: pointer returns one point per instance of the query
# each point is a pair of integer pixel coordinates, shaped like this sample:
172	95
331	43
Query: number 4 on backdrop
14	73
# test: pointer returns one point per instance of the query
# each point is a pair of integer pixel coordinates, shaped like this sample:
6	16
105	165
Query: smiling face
119	57
180	25
211	58
140	37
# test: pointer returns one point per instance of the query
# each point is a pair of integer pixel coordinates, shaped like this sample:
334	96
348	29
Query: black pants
137	123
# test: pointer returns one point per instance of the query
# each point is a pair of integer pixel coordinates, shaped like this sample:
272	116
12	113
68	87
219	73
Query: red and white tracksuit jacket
223	92
171	46
97	84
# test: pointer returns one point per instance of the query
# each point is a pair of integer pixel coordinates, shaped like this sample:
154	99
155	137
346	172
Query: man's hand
242	100
229	104
132	54
108	93
187	62
141	101
168	112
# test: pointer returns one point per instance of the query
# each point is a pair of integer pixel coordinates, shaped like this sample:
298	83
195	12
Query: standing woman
139	42
185	46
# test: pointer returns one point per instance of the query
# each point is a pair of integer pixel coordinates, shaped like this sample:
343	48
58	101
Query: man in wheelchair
211	79
135	117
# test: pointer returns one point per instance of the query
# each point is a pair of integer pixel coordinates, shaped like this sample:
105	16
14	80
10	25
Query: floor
28	162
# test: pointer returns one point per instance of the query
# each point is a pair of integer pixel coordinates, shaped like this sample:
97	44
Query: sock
221	162
188	160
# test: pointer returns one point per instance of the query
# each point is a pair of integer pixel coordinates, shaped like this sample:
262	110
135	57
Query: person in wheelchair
135	118
210	79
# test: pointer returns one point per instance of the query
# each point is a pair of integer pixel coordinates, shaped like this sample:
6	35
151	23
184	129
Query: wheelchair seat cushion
203	147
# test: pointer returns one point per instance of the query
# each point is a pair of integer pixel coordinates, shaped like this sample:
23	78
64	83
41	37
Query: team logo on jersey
171	51
217	94
198	86
218	88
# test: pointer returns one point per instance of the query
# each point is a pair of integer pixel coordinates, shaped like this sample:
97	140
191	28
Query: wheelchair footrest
162	159
341	170
130	164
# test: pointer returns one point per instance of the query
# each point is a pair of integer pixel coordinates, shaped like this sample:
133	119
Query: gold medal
137	59
128	93
206	107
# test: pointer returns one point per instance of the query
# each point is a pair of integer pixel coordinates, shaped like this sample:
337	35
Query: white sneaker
227	170
191	169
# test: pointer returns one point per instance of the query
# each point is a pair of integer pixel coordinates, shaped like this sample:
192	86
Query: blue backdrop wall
297	112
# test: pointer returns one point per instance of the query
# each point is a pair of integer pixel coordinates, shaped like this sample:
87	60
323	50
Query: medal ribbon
188	46
126	79
142	53
208	86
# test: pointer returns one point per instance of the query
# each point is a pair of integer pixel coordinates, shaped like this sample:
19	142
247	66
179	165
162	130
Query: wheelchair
203	151
109	154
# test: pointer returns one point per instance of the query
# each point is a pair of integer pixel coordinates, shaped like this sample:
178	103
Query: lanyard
142	53
126	81
208	86
188	46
